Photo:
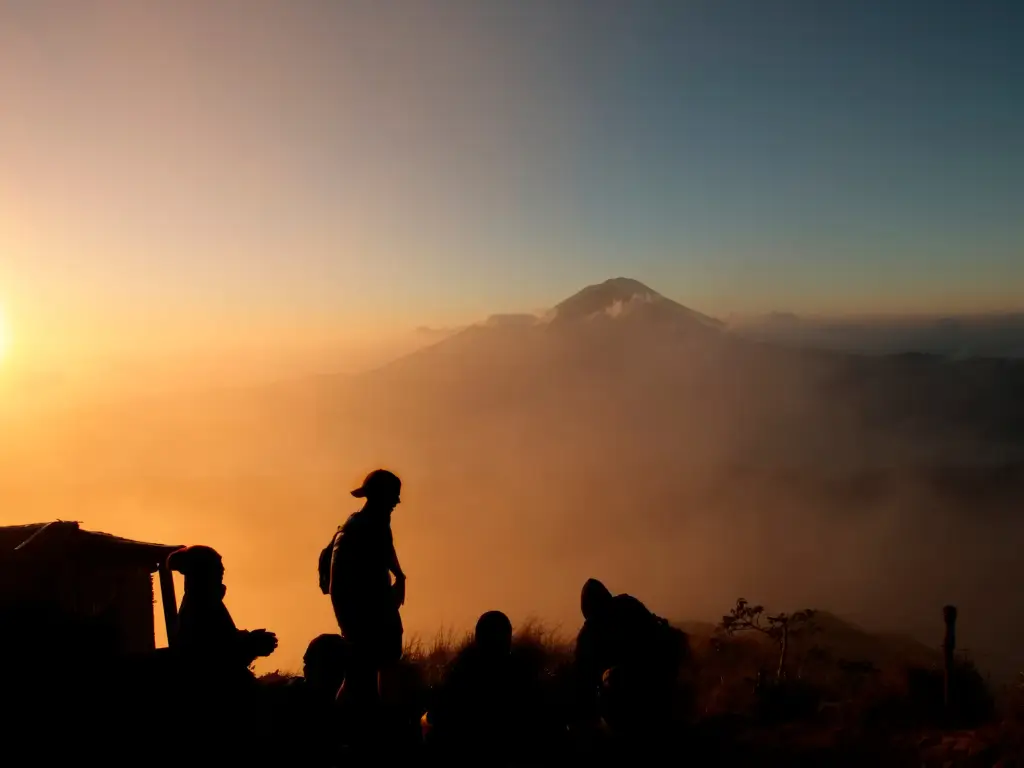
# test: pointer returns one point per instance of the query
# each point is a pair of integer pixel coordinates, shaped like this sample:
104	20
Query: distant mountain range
988	335
996	334
619	375
619	361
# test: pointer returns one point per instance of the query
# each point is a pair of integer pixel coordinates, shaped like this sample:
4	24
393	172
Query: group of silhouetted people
356	699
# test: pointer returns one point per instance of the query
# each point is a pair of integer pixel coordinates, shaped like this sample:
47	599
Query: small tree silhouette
779	627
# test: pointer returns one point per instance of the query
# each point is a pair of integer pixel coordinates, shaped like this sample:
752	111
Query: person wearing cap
366	602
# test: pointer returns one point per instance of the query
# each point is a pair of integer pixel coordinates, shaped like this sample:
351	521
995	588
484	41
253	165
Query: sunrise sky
187	175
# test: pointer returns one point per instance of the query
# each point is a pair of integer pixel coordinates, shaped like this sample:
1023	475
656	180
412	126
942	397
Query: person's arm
253	644
343	553
242	645
396	568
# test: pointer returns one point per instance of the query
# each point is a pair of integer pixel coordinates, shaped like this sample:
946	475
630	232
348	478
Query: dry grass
847	690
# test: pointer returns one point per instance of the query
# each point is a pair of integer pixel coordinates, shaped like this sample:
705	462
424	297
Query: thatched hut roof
66	538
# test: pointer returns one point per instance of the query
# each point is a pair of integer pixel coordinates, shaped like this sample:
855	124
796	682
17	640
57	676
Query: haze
219	223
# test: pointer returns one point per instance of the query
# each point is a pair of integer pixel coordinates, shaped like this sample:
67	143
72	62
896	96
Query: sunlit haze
219	221
5	336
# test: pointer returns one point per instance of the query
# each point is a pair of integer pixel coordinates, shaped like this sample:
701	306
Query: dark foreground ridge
778	688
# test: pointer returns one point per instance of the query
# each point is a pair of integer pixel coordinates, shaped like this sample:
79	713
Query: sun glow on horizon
5	336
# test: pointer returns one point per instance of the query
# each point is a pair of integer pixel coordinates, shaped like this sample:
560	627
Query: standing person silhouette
366	602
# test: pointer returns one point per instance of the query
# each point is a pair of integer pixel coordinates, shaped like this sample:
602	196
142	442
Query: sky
197	175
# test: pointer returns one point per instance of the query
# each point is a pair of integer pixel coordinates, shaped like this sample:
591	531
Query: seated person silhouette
309	709
489	699
213	685
627	660
324	665
206	634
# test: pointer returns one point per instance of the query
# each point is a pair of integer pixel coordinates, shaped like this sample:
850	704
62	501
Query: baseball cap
379	482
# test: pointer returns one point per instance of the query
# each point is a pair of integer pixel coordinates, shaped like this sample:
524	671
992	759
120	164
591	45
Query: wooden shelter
85	576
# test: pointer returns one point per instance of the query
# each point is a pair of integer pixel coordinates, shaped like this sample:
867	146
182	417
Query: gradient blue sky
172	170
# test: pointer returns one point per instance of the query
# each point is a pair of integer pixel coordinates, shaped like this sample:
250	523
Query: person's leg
360	688
396	722
358	698
356	627
388	644
358	703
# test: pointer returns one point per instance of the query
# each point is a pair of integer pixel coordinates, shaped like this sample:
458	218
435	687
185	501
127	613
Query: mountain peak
608	297
622	296
624	285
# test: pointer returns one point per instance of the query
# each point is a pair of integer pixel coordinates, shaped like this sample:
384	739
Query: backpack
671	644
326	556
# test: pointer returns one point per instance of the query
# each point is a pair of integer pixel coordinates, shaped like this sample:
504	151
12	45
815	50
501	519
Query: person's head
201	566
381	489
493	635
325	661
594	599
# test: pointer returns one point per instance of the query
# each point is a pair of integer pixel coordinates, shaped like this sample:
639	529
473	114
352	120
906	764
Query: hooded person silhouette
214	685
205	629
627	658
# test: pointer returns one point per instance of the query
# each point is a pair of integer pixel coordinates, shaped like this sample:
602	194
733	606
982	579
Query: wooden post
170	602
783	651
948	649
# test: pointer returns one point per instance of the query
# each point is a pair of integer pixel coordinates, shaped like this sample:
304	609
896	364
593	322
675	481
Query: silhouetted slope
842	639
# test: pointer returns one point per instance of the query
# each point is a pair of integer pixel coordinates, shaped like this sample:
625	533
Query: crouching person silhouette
627	662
